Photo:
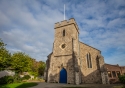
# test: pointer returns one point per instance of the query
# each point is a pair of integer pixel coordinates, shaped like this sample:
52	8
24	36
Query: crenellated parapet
66	22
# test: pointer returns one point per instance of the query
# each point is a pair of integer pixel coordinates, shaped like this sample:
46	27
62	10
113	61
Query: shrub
17	78
26	77
122	79
35	74
6	80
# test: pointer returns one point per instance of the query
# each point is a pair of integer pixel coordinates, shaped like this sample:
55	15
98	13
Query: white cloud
28	25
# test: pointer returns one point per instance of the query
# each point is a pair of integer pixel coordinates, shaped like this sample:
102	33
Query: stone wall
71	34
57	63
6	73
89	75
67	22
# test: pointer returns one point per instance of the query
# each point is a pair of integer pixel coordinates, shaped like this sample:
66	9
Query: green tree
34	67
41	68
21	62
5	56
122	79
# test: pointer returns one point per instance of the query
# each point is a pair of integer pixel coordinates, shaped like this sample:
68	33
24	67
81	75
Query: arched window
97	62
89	63
63	33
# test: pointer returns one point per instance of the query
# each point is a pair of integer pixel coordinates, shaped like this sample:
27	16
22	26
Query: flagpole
64	11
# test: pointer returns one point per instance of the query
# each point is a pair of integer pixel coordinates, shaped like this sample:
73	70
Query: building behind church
72	61
113	72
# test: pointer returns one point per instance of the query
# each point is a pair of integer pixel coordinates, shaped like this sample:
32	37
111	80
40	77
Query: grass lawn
19	85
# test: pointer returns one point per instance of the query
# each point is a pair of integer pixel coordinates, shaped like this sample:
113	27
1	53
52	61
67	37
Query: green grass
19	85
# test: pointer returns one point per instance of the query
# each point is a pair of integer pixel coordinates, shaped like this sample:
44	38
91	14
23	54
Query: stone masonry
83	63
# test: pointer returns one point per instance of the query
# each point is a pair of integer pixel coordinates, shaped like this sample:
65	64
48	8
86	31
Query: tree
41	68
34	66
122	79
5	56
21	62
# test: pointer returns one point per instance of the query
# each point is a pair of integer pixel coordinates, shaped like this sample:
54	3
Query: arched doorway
63	76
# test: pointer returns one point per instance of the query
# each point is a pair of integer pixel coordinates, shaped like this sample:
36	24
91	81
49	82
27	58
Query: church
72	61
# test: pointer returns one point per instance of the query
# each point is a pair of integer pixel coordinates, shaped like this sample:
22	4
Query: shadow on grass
4	87
19	85
26	85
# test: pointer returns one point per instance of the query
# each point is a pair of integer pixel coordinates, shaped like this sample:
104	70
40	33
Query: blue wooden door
63	76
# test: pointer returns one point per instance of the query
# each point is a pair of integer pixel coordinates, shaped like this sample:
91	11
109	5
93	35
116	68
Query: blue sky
28	25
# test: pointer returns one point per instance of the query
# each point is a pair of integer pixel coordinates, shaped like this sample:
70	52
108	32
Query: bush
122	79
17	78
35	74
26	77
6	80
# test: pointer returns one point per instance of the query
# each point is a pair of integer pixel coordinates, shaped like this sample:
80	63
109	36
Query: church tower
66	34
65	55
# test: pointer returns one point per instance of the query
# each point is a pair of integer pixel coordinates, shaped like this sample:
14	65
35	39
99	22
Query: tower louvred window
63	32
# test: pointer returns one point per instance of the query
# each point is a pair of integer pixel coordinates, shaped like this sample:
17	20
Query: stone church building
72	61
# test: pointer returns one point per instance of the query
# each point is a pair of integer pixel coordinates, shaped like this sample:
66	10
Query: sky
28	26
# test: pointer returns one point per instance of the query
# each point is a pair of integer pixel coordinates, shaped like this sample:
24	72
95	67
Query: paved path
58	85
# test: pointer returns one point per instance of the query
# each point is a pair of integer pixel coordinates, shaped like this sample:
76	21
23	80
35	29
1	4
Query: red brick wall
114	71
